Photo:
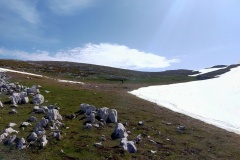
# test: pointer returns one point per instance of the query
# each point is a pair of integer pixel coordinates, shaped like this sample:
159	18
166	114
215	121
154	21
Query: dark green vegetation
200	141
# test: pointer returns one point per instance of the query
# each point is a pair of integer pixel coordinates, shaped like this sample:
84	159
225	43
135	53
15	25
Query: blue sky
133	34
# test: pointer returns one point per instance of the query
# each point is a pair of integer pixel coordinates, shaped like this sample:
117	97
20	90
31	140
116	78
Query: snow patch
37	75
207	70
214	101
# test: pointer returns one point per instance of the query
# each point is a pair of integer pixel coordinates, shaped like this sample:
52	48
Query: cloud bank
105	54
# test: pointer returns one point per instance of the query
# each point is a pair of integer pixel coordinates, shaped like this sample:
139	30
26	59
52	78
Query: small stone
153	152
98	145
13	111
88	126
138	139
141	123
96	125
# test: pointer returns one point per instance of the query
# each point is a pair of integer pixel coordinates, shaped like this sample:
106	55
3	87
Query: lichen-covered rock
38	99
119	131
128	145
112	116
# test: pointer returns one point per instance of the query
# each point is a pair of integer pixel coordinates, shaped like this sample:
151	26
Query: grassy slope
201	141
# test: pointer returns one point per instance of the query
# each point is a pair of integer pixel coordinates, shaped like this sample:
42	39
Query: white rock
25	100
10	130
3	136
12	124
153	152
54	114
32	137
10	140
91	118
119	131
43	141
44	122
112	116
32	119
88	126
99	144
103	113
1	104
128	145
21	144
57	135
38	99
15	98
25	124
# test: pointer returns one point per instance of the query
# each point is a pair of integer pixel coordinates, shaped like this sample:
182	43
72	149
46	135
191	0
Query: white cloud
26	10
68	6
105	54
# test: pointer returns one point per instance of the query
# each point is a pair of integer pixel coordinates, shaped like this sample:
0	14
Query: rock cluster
50	122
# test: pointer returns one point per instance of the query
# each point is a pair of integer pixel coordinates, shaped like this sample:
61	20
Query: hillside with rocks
43	118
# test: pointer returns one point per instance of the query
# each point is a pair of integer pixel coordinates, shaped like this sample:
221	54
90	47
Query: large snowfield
215	101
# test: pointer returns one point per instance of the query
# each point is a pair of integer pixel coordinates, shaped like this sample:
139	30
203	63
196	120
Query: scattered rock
32	137
25	124
98	145
38	99
88	126
91	118
138	139
119	131
13	111
43	141
102	113
141	123
112	115
153	152
54	114
32	119
10	140
12	124
21	144
128	145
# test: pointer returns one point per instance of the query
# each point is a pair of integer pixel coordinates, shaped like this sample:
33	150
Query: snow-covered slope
215	101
